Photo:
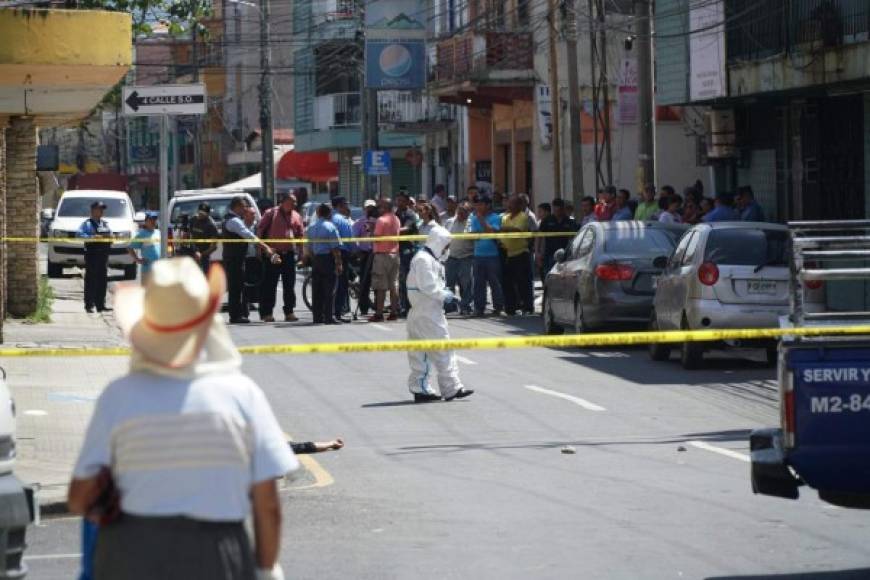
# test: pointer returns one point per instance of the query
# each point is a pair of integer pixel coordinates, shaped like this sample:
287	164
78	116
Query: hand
140	261
337	443
197	256
339	267
450	297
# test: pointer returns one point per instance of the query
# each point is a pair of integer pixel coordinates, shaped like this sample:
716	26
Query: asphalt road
657	485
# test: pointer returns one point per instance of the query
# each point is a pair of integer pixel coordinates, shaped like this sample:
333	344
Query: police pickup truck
823	441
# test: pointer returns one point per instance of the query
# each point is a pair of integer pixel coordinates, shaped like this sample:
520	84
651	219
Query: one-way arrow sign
165	100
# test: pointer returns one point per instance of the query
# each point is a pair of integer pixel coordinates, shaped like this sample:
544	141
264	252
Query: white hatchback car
74	208
725	275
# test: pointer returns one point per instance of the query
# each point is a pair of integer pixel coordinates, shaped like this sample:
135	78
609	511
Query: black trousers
518	291
235	270
323	285
342	296
96	279
365	283
286	273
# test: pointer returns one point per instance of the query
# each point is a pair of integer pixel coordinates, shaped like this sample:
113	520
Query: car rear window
191	207
747	247
640	240
81	207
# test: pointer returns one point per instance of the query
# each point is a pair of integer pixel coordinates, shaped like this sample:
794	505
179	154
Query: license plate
761	287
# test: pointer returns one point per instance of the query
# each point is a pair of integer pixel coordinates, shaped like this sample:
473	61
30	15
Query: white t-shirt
185	447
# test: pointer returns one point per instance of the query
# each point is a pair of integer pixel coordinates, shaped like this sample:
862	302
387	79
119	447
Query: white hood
438	240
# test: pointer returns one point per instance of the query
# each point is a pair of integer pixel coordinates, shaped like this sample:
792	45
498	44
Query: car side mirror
660	263
48	214
559	256
139	217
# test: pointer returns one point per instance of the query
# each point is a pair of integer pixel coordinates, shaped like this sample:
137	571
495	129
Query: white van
74	208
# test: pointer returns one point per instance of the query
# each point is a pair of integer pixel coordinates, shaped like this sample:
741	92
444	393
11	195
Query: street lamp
267	175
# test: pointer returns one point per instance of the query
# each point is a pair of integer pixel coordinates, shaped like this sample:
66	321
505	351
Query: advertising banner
396	19
627	96
545	115
707	51
395	64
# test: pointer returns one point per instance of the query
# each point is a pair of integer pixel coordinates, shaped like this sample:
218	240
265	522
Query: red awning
314	166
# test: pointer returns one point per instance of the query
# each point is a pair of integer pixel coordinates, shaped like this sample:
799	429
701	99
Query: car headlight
121	235
58	234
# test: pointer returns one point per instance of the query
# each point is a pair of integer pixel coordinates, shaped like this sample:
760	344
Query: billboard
395	64
707	51
396	19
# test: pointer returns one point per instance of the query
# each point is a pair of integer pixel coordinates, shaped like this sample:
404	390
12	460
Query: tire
658	351
579	325
130	272
691	353
306	291
55	270
772	356
550	326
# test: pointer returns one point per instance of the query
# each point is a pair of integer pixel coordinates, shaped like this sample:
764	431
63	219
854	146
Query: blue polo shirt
486	248
345	229
323	230
722	213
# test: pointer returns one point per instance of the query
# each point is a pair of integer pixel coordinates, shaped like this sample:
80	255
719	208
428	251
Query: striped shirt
185	447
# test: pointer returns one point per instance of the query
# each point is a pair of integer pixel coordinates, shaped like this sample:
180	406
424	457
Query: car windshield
640	240
747	247
81	207
190	207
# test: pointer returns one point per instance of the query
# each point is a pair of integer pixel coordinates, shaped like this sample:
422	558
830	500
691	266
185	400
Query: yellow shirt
515	246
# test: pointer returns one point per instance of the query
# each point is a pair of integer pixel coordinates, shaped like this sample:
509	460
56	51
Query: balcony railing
333	10
761	29
394	108
337	111
476	53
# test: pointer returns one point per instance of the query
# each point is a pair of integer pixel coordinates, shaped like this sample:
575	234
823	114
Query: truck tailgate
831	415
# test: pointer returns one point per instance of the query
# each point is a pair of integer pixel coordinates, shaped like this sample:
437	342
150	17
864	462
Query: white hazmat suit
427	294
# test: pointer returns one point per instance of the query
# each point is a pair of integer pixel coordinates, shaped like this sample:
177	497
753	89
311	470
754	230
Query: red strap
209	312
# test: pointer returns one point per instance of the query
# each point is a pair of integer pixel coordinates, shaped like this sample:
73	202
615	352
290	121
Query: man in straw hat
191	444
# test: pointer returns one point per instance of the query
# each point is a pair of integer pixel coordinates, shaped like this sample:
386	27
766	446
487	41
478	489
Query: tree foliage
179	16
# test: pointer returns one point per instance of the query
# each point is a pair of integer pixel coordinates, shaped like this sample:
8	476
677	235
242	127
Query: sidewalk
55	396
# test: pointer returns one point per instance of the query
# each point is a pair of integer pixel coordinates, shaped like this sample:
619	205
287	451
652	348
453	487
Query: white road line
720	451
53	556
588	405
465	361
380	327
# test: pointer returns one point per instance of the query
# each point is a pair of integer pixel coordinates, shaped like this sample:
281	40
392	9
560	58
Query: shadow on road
856	574
712	436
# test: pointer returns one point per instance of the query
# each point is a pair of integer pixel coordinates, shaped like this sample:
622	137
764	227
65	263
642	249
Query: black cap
338	200
98	204
484	199
204	206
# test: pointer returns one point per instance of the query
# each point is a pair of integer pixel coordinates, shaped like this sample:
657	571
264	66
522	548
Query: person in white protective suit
428	296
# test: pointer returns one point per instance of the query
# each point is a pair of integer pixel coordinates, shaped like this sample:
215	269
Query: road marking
36	413
380	327
322	478
465	361
53	556
588	405
720	451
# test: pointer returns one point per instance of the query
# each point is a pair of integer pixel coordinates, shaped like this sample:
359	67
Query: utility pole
555	104
370	139
569	26
267	188
646	145
197	123
600	93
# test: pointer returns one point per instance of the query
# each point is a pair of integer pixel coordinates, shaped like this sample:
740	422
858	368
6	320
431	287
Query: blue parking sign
377	163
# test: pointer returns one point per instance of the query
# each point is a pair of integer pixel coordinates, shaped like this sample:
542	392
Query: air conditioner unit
721	134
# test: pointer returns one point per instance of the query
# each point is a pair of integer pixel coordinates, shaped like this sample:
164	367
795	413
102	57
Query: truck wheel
130	272
55	270
658	352
692	353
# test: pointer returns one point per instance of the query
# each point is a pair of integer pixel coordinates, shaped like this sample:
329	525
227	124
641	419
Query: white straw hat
170	319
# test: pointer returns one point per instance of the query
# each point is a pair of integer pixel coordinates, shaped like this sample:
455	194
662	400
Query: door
576	277
557	286
684	279
664	302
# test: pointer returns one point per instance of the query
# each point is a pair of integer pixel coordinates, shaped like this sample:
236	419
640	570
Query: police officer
234	254
96	257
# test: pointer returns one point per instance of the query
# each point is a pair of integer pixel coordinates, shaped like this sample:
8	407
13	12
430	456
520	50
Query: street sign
377	163
165	100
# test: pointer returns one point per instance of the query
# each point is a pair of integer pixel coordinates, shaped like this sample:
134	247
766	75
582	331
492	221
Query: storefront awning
314	166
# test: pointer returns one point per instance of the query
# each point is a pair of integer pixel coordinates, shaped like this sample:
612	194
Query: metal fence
759	29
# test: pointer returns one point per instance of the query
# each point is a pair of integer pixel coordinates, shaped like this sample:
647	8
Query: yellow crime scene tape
489	343
367	240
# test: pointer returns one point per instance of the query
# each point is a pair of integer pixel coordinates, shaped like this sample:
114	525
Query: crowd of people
483	272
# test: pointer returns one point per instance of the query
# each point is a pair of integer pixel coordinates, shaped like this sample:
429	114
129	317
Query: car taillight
708	273
812	284
614	272
788	412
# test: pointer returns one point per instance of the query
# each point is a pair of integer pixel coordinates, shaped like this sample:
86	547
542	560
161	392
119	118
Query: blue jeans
487	271
458	272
